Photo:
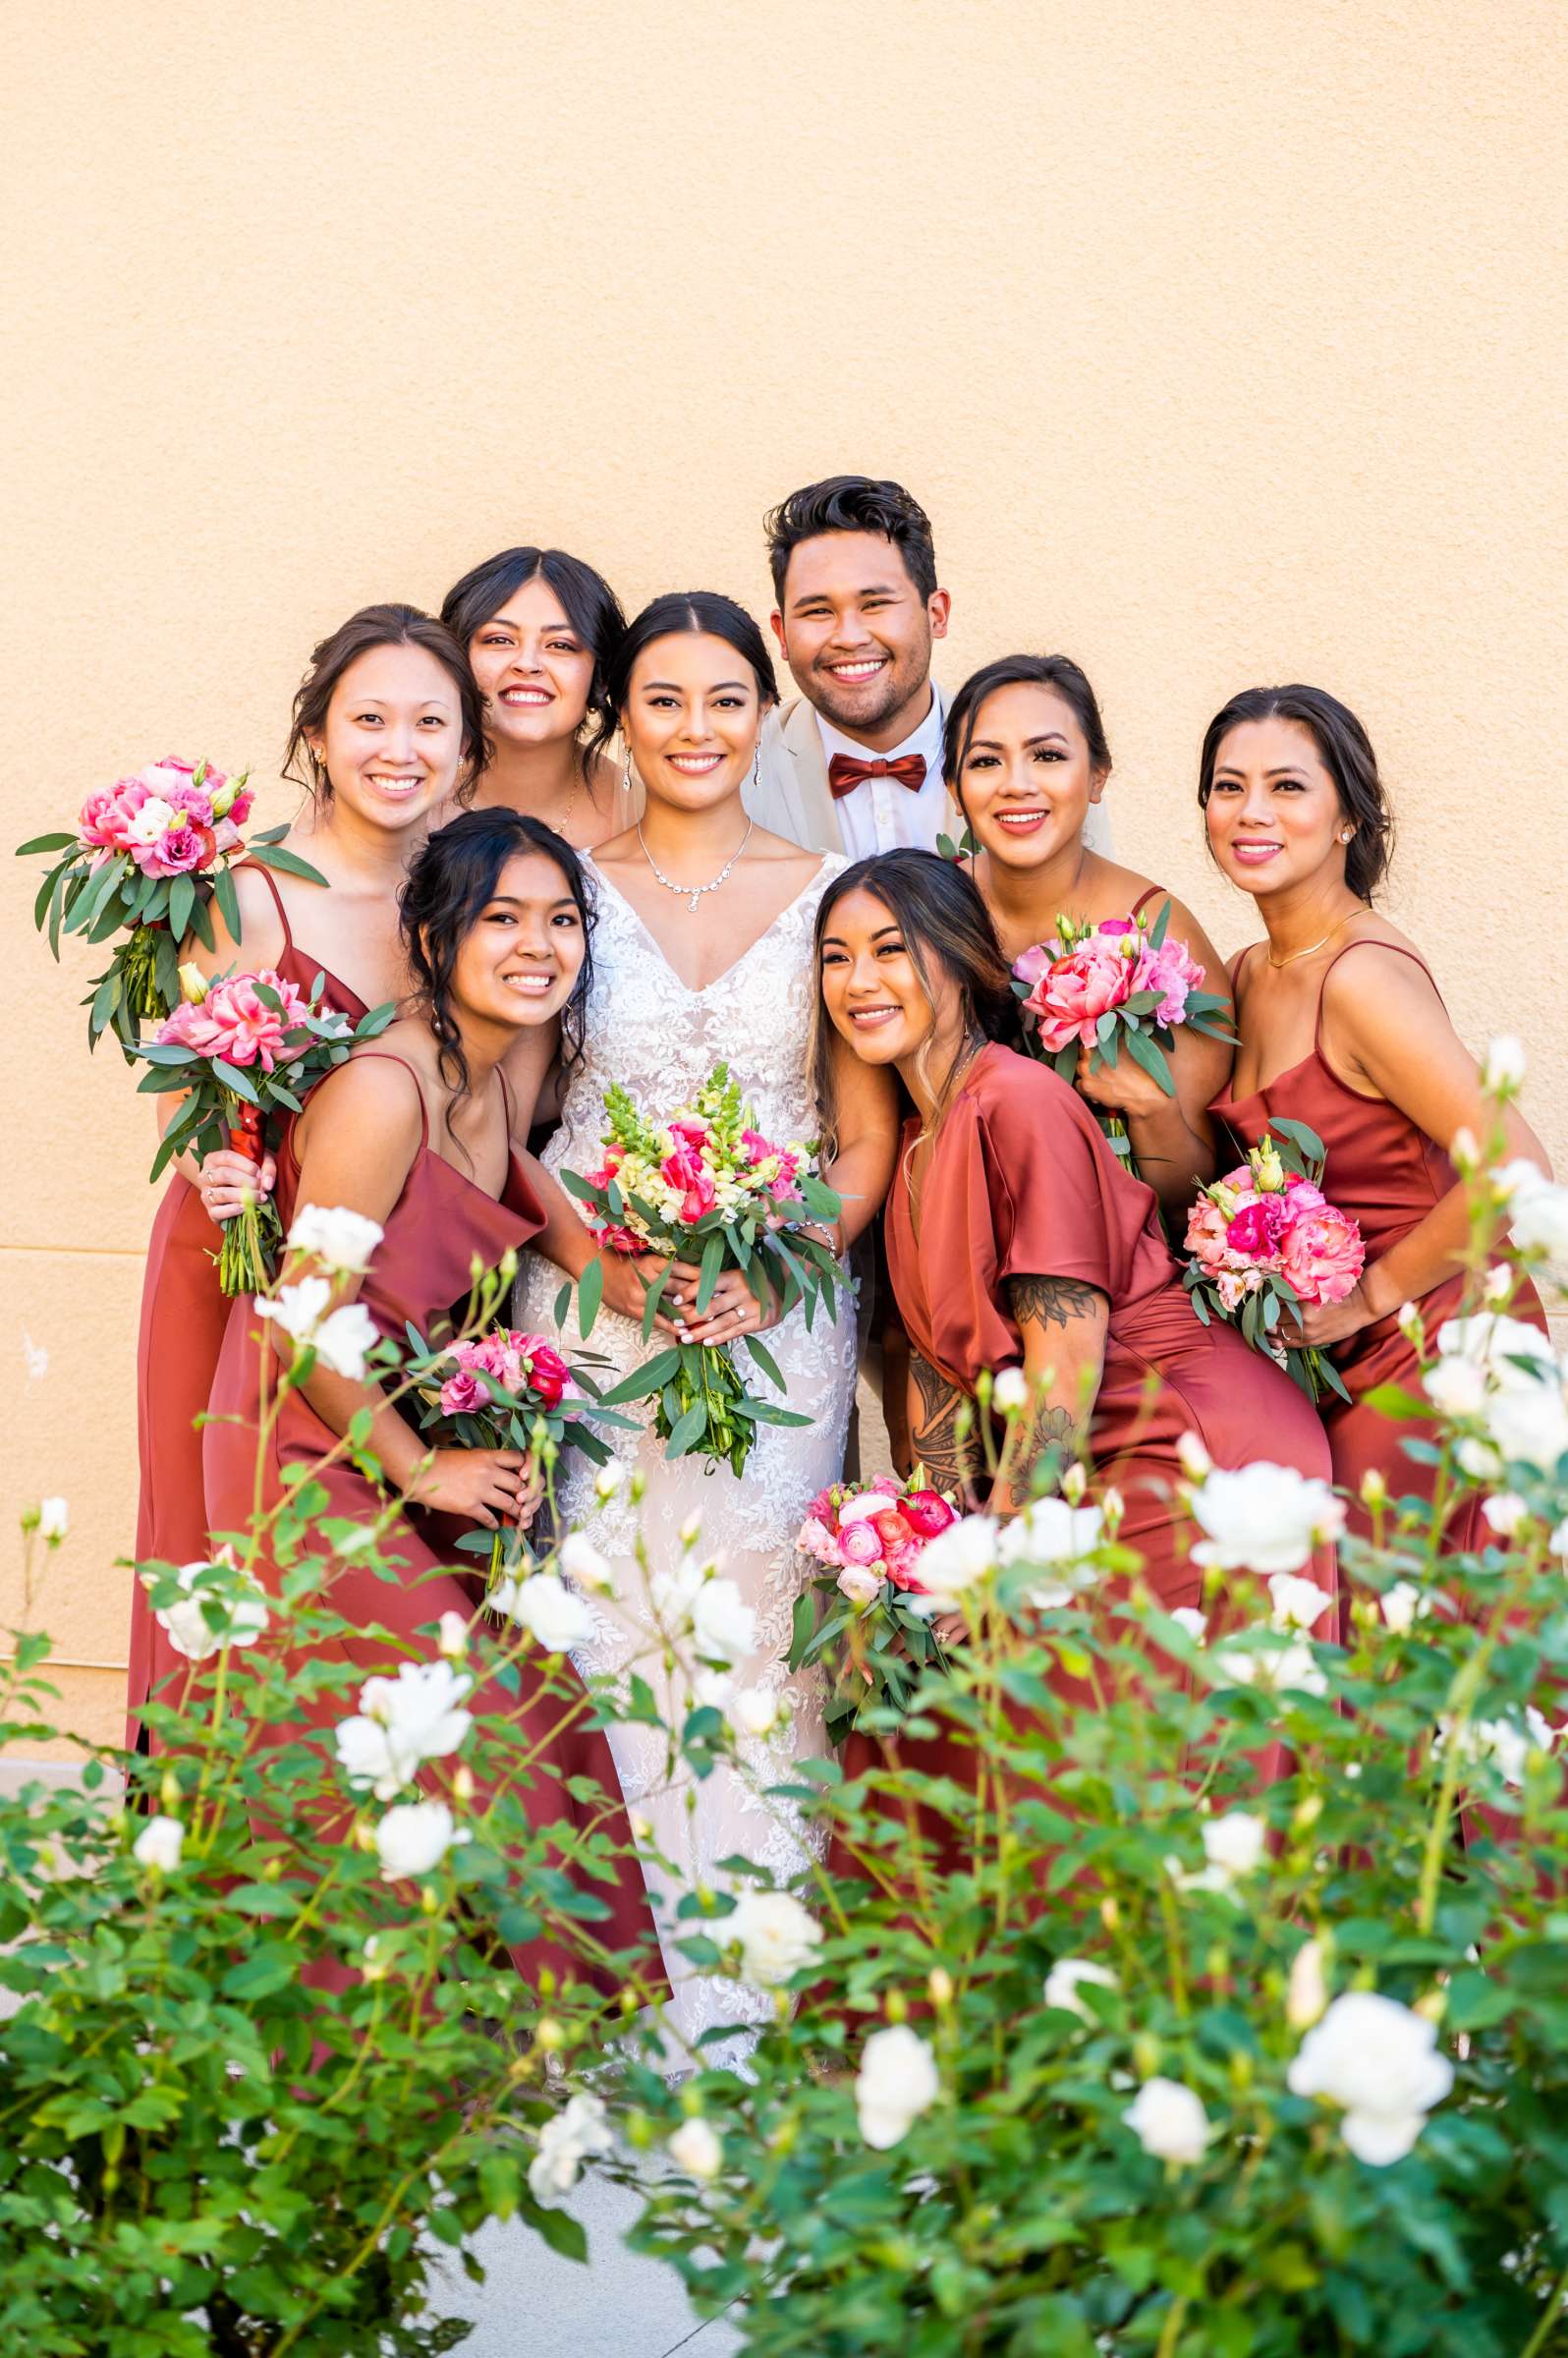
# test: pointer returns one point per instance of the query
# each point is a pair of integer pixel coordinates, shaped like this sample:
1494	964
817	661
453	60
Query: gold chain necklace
1313	945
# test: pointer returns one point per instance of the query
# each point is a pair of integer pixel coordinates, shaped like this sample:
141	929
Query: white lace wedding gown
646	1030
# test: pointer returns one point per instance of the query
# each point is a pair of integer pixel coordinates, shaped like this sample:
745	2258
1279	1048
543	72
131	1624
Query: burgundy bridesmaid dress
1387	1175
185	1315
421	1267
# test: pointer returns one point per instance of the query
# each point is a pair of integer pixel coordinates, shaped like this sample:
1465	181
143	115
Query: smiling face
857	633
1026	780
534	669
1274	817
392	742
871	989
520	959
692	714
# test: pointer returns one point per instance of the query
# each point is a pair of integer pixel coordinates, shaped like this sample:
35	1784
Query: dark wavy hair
592	609
704	613
947	926
853	503
1348	757
448	889
1058	672
387	625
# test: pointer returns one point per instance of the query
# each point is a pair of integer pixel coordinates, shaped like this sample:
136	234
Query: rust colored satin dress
185	1316
1387	1175
419	1271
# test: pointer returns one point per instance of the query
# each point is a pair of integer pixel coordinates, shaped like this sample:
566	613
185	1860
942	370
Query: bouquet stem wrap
250	1239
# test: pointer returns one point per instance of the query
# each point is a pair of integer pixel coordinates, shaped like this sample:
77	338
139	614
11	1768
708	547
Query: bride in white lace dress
702	955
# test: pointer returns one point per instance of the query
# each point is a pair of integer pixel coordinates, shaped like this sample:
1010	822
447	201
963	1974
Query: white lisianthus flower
414	1838
1503	1072
723	1624
240	1619
342	1239
951	1564
1298	1603
546	1609
580	2130
54	1520
1010	1392
587	1566
1168	2121
860	1583
1306	1990
401	1722
1264	1519
696	2149
158	1845
1537	1209
1403	1606
151	822
756	1710
896	2083
1194	1624
1378	2061
1067	1976
776	1936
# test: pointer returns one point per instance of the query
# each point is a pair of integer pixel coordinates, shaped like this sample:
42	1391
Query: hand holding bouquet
241	1051
149	855
705	1186
1119	985
870	1633
1266	1239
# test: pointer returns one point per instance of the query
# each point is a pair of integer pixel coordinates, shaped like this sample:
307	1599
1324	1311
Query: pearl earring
1345	834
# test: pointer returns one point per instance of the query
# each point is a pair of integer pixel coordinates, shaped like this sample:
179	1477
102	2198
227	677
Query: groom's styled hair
853	503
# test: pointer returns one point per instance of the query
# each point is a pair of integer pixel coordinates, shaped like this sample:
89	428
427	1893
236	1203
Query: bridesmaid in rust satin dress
418	1136
386	726
1342	1028
1026	759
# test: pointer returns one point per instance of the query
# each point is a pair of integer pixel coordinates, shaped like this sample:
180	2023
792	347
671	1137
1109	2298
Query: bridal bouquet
705	1186
1122	983
149	855
868	1632
1264	1237
242	1052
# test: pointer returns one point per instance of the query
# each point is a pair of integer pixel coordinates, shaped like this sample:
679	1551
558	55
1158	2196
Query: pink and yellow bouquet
241	1053
705	1186
148	854
1266	1239
1122	983
869	1631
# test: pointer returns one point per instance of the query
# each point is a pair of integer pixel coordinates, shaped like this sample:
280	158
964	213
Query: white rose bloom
582	2128
1234	1845
1378	2060
696	2149
1504	1068
342	1341
1495	1344
1403	1606
1050	1532
1279	1669
414	1838
54	1520
754	1711
1503	1741
1538	1210
608	1479
1298	1603
242	1619
959	1556
586	1565
1195	1625
1195	1462
1010	1392
1168	2121
1528	1424
860	1583
453	1636
546	1606
297	1309
159	1844
345	1240
776	1936
1306	1990
672	1592
1065	1978
1504	1513
402	1721
723	1624
896	2083
1264	1519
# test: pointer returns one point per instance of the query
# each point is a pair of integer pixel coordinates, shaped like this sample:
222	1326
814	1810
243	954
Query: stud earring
1345	834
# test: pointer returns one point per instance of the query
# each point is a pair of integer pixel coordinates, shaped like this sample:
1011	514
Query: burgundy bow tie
845	774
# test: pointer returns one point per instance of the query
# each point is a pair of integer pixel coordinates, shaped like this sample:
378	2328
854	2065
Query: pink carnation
1074	992
232	1021
1323	1255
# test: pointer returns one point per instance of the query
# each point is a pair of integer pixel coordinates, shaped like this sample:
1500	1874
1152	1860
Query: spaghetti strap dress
422	1266
185	1316
1387	1175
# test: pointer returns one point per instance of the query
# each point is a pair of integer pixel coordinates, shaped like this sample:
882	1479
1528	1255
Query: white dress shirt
880	815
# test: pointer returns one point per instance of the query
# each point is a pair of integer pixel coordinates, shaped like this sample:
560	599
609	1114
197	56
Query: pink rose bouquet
858	1617
1266	1239
1120	985
148	856
241	1053
704	1185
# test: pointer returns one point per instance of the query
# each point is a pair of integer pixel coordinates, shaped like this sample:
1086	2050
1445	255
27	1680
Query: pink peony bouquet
1122	983
241	1053
1266	1239
860	1618
149	853
705	1186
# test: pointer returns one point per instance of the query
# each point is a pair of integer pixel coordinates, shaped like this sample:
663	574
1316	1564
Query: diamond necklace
694	892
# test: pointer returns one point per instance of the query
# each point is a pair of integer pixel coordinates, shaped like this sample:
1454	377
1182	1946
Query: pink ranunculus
860	1543
176	852
926	1512
1255	1231
1073	995
1171	972
903	1567
893	1530
106	815
1323	1255
463	1393
232	1021
814	1538
1207	1227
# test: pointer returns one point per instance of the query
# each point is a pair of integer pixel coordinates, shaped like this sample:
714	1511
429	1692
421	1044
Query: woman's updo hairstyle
449	887
1347	756
381	626
701	613
587	602
1059	673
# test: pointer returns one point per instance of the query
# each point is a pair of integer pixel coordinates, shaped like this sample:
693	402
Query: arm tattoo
1044	1430
1051	1301
1048	1301
933	1438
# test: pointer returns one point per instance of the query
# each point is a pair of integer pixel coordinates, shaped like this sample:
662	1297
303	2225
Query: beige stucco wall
1222	338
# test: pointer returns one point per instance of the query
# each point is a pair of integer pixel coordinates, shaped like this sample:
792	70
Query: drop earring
625	775
756	762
